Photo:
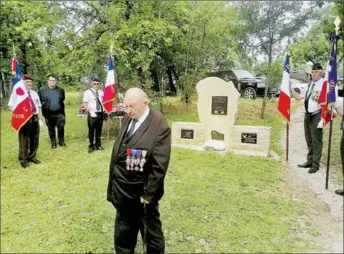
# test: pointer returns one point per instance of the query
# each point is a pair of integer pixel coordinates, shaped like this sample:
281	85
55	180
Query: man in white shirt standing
29	132
93	98
313	132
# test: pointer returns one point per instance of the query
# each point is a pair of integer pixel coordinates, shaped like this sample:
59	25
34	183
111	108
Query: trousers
28	139
130	221
314	139
56	121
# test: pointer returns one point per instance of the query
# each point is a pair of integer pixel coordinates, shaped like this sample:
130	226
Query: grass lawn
212	202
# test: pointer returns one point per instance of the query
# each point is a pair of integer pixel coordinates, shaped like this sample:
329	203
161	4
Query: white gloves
93	114
40	123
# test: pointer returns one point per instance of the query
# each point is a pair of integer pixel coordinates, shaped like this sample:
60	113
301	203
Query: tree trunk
24	64
172	86
266	87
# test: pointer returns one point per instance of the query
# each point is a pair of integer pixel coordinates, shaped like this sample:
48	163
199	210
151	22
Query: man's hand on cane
144	201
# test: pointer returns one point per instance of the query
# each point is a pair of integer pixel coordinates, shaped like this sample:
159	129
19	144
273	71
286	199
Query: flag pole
108	121
287	141
329	150
336	23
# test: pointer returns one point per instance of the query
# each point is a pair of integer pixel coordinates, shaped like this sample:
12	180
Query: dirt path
325	211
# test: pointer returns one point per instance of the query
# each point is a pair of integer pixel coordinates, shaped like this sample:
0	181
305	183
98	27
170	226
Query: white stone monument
217	105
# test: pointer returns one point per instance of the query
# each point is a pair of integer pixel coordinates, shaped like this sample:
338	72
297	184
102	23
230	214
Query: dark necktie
97	102
32	104
132	127
308	95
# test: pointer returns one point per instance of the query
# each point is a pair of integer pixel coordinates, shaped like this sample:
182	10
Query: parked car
248	86
273	92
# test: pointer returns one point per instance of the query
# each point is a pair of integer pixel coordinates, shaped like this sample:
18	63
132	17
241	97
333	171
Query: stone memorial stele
217	105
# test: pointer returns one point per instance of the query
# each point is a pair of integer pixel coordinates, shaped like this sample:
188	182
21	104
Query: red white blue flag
21	111
327	97
110	87
284	96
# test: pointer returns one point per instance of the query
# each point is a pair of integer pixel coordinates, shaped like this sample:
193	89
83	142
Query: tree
268	23
314	46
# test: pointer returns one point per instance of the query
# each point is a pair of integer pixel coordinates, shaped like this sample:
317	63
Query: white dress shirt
13	101
314	96
139	120
91	100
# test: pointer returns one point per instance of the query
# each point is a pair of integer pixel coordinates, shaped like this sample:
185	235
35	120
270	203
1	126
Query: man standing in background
52	98
341	191
93	98
29	132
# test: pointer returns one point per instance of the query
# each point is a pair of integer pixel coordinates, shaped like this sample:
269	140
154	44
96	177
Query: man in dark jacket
52	98
138	166
341	191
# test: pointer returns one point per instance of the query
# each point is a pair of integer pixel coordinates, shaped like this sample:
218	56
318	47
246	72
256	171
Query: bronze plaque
219	105
187	134
250	138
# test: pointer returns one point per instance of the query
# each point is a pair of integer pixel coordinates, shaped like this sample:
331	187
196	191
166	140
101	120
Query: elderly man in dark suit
138	166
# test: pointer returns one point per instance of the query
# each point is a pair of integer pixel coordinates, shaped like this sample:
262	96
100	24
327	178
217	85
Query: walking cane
145	225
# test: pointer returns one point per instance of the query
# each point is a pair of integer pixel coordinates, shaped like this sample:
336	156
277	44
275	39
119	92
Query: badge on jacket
136	159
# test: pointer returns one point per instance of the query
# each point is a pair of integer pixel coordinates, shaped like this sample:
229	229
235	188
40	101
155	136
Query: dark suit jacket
125	187
45	100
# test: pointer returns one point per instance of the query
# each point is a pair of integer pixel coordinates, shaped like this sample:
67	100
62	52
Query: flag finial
111	48
14	52
336	23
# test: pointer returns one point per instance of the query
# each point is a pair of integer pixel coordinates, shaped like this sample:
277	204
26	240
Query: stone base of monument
245	140
250	140
188	134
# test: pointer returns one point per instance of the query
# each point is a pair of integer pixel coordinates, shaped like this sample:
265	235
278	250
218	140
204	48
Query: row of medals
136	159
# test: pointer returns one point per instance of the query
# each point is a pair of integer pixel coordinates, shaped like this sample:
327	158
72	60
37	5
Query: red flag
110	87
284	96
21	108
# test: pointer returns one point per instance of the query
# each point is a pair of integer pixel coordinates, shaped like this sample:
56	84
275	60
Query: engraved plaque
187	134
219	105
250	138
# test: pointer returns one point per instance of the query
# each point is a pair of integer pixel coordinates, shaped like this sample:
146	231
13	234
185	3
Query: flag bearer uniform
313	134
93	98
29	132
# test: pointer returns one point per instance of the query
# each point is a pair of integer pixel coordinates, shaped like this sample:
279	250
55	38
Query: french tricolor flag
21	111
284	96
110	87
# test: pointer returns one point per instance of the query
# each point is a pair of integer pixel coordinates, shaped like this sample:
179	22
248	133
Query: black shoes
93	148
34	160
24	164
339	192
313	170
54	146
90	149
305	165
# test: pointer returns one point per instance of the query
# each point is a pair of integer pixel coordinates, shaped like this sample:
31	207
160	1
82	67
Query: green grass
335	160
212	202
